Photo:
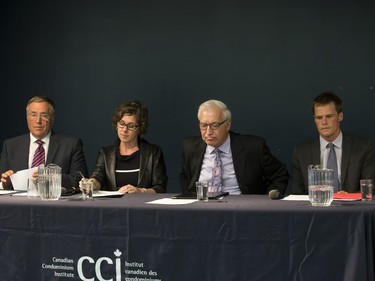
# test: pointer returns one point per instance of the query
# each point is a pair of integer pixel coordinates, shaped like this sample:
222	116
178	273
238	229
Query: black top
127	168
152	171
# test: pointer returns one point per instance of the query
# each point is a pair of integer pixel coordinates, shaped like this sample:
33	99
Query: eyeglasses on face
213	126
35	116
130	126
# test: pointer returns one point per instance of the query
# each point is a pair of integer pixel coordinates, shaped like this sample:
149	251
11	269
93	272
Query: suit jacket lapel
238	156
111	166
197	160
315	153
144	160
54	144
345	156
24	151
310	157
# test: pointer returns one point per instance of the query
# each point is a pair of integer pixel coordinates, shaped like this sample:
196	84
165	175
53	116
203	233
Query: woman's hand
131	189
94	181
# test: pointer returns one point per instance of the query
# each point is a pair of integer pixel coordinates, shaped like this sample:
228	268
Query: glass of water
202	191
87	187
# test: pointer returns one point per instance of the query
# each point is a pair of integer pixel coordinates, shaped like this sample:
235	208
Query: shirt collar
45	139
337	142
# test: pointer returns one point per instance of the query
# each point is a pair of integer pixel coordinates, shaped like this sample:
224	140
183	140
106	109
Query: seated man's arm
296	181
5	170
368	165
77	166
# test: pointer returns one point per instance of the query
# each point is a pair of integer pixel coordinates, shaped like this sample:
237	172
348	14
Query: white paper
19	179
296	198
170	201
104	193
20	194
4	192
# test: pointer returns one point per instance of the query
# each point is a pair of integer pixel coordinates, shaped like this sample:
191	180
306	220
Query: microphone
275	194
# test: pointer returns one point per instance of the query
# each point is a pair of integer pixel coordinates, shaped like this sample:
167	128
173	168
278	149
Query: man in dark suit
354	155
65	151
246	164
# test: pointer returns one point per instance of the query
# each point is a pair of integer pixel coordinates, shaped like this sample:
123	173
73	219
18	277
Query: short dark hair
326	98
136	108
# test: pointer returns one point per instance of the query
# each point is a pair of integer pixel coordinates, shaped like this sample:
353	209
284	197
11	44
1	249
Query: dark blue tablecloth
237	238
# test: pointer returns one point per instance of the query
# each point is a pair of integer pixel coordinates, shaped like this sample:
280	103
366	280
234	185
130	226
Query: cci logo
98	267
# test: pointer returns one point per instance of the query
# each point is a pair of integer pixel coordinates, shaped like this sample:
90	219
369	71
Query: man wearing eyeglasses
42	146
229	162
352	156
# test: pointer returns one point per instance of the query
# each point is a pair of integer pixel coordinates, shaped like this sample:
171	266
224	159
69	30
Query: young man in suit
354	155
230	162
20	153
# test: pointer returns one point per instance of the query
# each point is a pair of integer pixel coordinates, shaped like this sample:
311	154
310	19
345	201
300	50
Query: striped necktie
332	164
216	180
39	155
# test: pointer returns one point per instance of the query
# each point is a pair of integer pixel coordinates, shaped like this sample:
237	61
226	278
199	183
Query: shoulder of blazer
237	136
19	139
311	144
63	137
144	144
308	152
349	138
110	149
238	141
193	143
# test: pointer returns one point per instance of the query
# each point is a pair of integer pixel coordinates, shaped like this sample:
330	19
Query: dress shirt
228	176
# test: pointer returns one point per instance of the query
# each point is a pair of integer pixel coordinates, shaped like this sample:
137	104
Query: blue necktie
216	181
332	164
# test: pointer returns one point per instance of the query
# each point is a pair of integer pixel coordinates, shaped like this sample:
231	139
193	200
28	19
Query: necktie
216	181
332	164
39	154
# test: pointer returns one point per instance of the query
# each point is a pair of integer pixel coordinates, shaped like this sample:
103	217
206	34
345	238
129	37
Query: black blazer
257	170
64	151
152	167
358	162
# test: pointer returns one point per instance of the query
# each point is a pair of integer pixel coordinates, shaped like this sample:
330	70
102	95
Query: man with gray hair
230	162
42	146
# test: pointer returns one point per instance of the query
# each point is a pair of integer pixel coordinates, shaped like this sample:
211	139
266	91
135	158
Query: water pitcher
49	182
320	181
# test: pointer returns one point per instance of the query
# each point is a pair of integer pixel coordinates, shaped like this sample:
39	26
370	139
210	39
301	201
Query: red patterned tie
39	154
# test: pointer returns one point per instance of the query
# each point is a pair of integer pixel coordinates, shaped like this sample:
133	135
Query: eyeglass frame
35	116
213	126
123	125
